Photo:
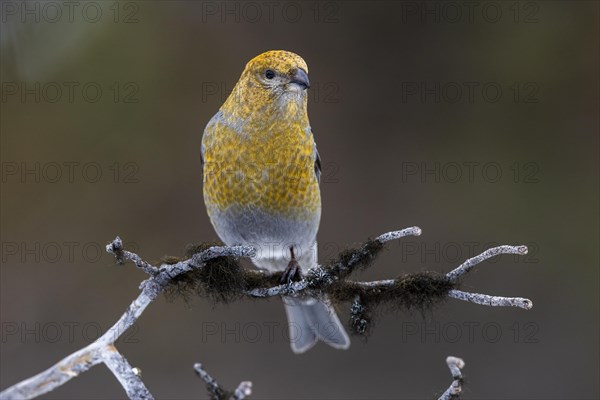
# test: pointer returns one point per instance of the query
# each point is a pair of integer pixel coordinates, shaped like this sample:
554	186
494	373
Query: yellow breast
273	169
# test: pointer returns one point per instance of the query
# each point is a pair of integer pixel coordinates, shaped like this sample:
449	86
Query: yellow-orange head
272	84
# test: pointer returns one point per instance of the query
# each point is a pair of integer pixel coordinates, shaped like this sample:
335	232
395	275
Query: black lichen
412	291
351	260
360	318
420	291
222	279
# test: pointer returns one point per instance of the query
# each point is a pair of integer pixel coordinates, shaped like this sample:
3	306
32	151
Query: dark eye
269	74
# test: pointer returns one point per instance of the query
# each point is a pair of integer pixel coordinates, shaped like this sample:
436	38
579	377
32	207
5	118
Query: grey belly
271	234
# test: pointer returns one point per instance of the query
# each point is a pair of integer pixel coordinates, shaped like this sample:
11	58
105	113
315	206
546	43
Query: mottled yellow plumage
277	174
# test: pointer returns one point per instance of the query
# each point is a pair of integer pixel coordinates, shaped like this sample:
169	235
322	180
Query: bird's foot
292	273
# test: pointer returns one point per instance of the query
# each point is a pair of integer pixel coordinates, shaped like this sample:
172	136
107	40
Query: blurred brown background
478	123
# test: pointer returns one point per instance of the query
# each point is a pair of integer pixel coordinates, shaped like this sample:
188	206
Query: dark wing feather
317	165
202	153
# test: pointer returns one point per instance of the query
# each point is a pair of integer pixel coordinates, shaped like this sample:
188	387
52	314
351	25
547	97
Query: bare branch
493	301
211	384
395	235
127	376
293	288
223	251
103	350
455	364
243	390
55	376
121	255
465	267
412	290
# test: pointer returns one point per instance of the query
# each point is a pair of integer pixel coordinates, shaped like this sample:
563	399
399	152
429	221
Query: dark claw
292	273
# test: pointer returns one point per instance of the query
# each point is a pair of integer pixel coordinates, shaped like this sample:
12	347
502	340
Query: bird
261	176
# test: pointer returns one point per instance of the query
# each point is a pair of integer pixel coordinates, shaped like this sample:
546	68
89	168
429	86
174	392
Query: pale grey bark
104	351
465	267
243	390
456	365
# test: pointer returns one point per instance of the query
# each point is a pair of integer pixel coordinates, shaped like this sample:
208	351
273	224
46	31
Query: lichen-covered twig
103	349
76	363
484	299
121	255
493	301
214	271
127	376
456	365
216	392
468	265
211	384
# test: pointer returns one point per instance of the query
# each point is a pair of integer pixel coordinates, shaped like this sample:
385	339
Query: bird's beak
300	78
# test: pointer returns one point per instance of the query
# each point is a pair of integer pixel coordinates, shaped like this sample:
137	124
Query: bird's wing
209	130
202	153
317	164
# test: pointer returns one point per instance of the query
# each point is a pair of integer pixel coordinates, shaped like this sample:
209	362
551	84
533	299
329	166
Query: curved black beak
300	78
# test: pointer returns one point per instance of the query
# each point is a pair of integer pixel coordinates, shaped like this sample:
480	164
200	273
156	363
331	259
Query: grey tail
311	320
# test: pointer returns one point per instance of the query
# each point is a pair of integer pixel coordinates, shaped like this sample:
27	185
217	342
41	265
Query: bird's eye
269	74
